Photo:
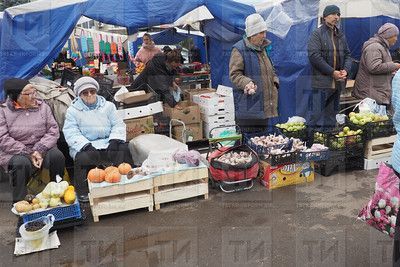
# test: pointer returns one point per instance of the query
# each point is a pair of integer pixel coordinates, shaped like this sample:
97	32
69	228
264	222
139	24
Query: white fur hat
255	24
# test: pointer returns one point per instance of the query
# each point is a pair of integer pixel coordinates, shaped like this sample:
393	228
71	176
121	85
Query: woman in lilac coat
28	136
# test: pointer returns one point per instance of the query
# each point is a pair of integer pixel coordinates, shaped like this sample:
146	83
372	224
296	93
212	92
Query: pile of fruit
339	140
140	67
50	197
292	126
111	174
363	118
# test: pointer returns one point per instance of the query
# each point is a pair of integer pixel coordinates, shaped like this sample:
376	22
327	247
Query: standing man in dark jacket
330	59
253	76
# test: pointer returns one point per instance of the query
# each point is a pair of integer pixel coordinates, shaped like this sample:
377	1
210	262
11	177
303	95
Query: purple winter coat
23	131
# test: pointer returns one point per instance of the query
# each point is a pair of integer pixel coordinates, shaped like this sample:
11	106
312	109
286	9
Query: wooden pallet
121	197
379	147
180	185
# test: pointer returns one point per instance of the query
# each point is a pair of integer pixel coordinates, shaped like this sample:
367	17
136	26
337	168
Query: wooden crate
121	197
379	147
180	185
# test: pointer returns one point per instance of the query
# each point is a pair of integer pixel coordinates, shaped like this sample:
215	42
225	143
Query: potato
35	201
36	206
23	206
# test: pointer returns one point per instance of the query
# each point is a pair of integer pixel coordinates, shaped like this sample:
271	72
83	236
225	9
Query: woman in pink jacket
28	136
147	51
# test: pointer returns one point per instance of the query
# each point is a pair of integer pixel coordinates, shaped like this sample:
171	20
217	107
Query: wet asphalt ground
306	225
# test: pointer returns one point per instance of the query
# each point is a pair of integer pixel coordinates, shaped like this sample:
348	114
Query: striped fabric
396	120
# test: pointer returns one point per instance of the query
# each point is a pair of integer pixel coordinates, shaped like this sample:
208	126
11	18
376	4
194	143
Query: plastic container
376	129
331	140
36	238
60	213
313	156
300	134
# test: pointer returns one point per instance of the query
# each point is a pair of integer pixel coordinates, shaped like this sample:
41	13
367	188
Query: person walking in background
147	51
376	68
330	60
253	76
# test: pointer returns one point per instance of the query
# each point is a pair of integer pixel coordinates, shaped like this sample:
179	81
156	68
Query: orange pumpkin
111	169
113	177
96	175
124	168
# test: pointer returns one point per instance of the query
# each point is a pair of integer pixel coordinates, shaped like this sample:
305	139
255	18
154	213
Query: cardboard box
189	93
142	111
136	127
188	112
223	119
214	104
194	132
284	175
134	97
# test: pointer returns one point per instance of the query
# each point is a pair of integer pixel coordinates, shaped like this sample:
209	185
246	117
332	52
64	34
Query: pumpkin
110	169
113	177
124	168
96	175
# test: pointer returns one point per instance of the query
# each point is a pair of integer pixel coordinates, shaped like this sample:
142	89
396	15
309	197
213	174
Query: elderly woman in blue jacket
94	133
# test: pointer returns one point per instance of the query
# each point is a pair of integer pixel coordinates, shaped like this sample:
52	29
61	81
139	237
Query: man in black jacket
330	59
160	73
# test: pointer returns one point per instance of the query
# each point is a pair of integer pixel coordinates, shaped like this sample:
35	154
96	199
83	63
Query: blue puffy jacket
97	126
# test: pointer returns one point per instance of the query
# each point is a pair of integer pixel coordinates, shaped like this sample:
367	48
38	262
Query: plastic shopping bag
381	211
368	105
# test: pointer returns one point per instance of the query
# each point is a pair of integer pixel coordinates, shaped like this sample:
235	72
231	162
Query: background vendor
160	74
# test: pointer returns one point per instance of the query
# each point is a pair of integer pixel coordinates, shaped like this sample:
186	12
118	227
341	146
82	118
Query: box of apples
373	125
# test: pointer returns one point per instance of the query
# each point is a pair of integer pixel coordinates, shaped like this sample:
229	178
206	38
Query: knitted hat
84	83
255	24
13	87
388	30
331	9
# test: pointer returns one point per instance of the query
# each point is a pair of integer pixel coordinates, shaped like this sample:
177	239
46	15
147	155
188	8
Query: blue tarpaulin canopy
34	33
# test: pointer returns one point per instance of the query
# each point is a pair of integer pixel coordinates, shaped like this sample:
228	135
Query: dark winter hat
331	9
13	87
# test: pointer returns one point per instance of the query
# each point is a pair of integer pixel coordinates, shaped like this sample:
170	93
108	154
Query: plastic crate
376	129
106	87
60	213
161	124
261	150
281	159
313	156
301	134
69	78
339	162
338	143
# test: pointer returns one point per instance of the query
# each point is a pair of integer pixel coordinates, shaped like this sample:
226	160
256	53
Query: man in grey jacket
330	59
376	69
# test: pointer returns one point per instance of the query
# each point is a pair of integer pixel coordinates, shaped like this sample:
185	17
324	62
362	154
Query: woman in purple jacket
28	136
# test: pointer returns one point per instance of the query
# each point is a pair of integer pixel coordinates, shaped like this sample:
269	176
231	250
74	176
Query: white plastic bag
369	105
296	119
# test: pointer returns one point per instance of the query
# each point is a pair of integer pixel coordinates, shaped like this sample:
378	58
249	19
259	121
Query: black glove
93	153
89	148
113	145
